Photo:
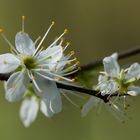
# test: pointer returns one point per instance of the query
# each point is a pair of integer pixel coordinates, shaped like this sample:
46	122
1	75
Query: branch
121	55
89	66
83	90
5	77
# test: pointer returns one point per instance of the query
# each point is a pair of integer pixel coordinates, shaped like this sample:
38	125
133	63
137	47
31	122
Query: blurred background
97	28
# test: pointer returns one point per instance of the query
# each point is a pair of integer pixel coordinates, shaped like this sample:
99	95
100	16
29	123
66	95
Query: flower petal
8	63
24	44
56	104
52	55
106	86
55	52
133	90
92	102
28	111
102	78
45	108
48	88
111	65
61	64
133	71
16	86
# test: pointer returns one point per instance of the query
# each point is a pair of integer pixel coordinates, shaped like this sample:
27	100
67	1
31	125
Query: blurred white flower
116	108
31	105
92	102
115	80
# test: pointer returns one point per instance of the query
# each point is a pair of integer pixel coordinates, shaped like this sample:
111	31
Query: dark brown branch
121	55
4	77
89	66
83	90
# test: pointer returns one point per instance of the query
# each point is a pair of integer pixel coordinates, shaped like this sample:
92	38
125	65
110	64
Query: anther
1	30
78	62
53	22
72	52
39	37
33	77
69	63
66	31
23	17
54	69
73	79
68	43
42	47
58	78
62	39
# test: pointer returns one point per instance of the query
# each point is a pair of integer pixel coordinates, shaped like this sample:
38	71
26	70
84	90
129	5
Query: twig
83	90
4	77
89	66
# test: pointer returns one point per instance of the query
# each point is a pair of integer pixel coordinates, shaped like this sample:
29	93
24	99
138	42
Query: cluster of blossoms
117	83
35	71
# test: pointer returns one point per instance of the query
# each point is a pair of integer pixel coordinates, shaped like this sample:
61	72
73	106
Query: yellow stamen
53	22
73	79
68	43
75	58
23	17
58	78
69	63
33	77
38	38
43	38
66	31
78	62
1	30
54	69
43	47
72	52
62	39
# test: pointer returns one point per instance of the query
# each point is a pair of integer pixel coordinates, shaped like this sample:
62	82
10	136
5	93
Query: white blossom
114	79
115	108
31	105
40	67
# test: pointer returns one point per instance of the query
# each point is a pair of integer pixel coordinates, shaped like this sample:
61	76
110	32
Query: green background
96	29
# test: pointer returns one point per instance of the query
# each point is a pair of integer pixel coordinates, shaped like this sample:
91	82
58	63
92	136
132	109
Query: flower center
122	84
29	62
